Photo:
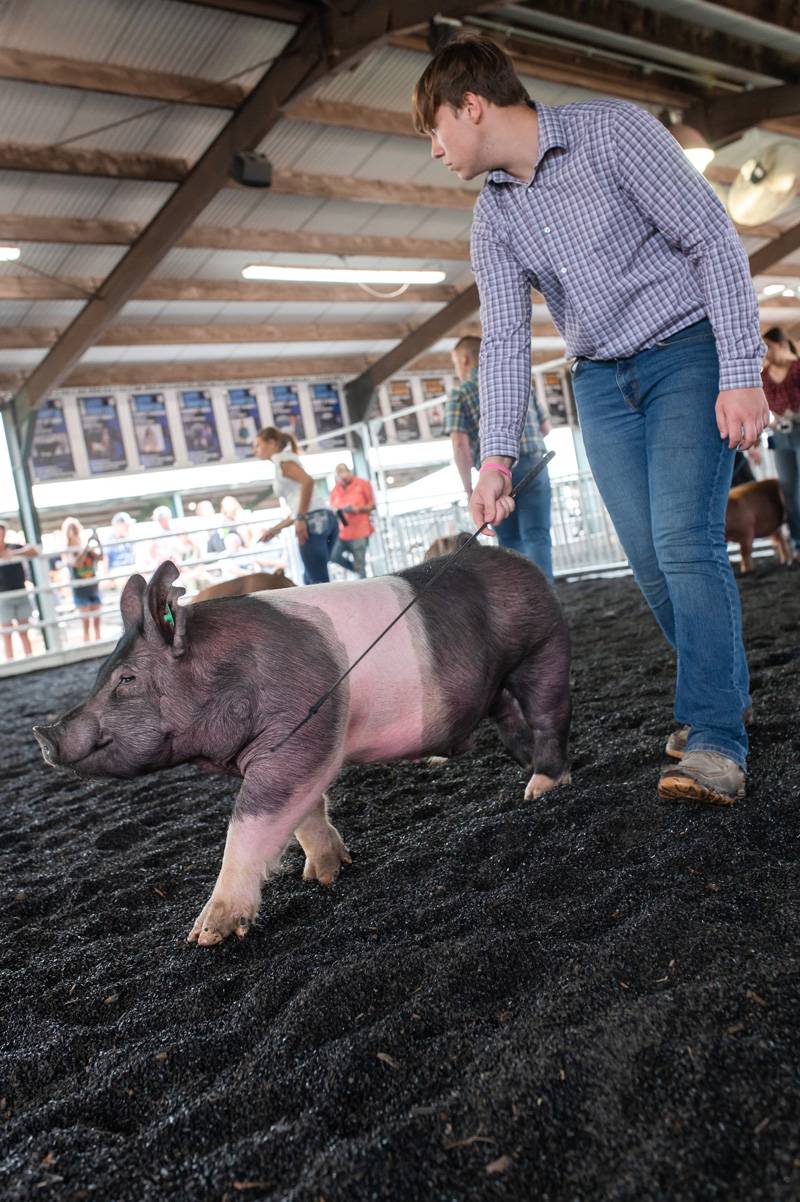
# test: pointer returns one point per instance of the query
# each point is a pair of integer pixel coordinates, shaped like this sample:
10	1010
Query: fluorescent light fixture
8	253
773	289
341	275
694	145
788	292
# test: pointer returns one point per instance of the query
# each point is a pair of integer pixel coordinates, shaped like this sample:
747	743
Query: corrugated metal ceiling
209	43
179	39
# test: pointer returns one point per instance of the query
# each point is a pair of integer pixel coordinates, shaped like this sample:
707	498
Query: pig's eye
125	679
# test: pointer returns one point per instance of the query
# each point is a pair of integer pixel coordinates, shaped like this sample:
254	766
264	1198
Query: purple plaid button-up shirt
627	243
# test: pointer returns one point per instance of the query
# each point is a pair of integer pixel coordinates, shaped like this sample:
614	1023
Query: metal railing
583	538
56	624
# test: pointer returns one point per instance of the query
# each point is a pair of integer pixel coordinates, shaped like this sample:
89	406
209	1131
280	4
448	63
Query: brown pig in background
222	683
757	510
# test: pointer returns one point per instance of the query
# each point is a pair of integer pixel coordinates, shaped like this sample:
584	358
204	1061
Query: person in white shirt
314	523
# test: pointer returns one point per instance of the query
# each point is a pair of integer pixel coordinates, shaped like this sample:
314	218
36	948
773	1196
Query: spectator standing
82	558
314	524
15	612
234	514
353	501
120	553
527	529
215	543
781	380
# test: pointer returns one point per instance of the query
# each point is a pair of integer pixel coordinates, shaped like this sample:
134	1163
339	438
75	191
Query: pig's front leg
261	825
324	847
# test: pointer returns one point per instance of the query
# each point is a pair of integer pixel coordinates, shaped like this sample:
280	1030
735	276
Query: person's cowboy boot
676	743
704	776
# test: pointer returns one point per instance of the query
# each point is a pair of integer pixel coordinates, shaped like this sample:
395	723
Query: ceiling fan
766	184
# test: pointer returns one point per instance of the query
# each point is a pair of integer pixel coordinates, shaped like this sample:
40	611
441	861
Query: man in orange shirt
353	500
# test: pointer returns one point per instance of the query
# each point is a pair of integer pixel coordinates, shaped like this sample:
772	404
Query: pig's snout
47	738
70	740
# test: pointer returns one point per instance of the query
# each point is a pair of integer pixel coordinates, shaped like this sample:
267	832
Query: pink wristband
496	467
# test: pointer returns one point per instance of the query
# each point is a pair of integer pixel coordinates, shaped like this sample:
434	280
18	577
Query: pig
446	545
241	586
757	510
222	683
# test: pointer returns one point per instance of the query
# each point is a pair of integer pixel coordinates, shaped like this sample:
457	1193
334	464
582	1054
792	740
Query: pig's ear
131	602
164	618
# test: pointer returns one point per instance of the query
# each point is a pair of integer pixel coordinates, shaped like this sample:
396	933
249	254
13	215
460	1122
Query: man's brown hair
471	343
470	63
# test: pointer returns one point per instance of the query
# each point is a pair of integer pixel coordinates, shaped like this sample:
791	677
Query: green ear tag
168	618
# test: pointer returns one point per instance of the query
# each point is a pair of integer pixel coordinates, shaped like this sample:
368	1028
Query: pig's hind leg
324	847
267	812
540	683
515	734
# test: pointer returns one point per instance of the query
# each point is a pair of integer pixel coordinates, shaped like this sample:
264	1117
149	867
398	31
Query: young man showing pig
596	206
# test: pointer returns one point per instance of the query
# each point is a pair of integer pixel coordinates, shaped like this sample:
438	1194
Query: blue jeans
527	529
664	473
316	550
786	448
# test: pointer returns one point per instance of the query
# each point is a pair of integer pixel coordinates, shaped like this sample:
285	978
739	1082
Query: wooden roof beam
722	119
215	371
221	333
57	71
361	390
327	40
69	231
161	169
767	260
34	287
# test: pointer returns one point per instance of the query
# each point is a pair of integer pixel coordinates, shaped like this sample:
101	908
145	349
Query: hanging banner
51	454
286	409
199	426
102	434
244	419
151	427
406	428
433	387
327	407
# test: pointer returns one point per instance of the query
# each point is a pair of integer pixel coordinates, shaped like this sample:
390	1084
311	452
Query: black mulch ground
594	996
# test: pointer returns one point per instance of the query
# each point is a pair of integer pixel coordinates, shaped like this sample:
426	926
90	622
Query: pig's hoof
539	784
218	919
436	761
323	863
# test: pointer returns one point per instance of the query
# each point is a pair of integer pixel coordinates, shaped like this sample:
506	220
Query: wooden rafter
100	232
327	39
221	333
210	371
163	169
361	391
767	260
57	71
34	287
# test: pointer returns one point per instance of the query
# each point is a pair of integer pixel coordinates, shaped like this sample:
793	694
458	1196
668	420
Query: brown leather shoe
704	776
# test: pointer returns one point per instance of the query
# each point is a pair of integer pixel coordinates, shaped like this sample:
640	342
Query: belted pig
222	683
